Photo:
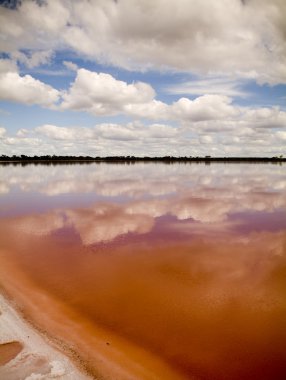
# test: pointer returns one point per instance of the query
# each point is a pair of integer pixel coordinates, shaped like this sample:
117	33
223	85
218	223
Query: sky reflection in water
185	261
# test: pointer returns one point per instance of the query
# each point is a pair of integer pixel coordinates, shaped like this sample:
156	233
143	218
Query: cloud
211	85
203	127
102	94
206	107
222	44
246	39
184	36
106	131
65	134
19	141
154	110
34	58
209	124
206	139
24	89
2	132
136	131
281	135
33	26
70	65
266	117
190	40
22	132
7	65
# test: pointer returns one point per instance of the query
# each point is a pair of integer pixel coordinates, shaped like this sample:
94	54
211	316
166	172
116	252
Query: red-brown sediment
9	351
211	308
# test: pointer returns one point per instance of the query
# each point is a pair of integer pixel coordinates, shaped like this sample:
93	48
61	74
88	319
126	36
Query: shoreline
55	342
25	160
35	358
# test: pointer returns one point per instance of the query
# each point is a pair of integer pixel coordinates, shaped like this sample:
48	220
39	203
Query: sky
143	77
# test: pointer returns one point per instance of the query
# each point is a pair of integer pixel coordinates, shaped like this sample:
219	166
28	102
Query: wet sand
9	351
26	354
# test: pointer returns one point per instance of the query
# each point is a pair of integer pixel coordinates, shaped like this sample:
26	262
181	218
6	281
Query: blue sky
143	77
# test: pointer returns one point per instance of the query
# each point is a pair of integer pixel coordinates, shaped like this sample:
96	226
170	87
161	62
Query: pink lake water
151	271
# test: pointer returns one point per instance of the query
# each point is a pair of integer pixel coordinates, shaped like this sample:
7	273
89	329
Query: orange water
152	271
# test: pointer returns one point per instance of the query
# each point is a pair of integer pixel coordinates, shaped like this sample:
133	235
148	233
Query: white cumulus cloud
206	107
245	38
24	89
102	94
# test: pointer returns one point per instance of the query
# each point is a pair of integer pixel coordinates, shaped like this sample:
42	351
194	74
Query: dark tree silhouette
48	159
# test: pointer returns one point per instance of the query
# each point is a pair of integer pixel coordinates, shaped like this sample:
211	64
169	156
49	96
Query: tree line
53	158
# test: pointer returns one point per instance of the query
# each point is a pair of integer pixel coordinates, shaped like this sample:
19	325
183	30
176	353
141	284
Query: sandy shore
26	355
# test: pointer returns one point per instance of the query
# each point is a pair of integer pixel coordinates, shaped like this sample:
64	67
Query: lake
151	270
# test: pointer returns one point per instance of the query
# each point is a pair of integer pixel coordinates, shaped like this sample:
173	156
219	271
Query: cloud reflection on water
185	261
202	194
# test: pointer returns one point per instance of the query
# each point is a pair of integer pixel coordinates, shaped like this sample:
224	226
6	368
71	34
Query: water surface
151	271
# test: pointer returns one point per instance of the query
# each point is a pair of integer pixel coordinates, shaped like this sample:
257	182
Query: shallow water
151	271
9	351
